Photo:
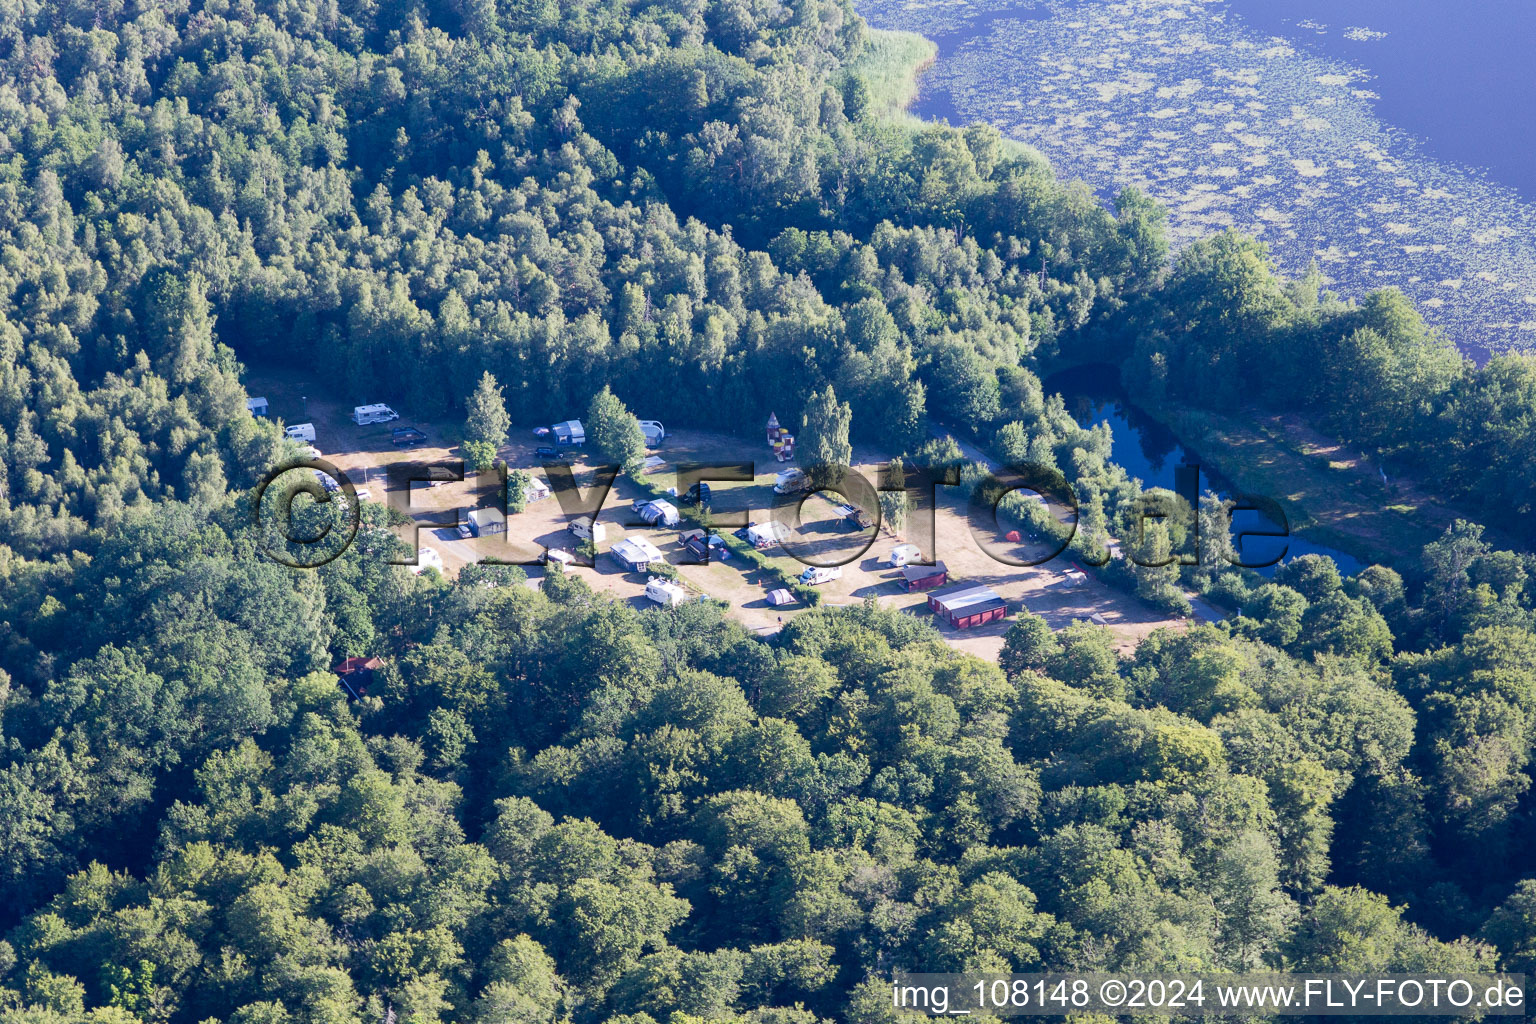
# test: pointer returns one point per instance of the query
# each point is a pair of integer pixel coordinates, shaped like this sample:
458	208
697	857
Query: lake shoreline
1331	183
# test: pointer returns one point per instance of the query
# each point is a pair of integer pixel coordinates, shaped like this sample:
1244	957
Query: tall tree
485	426
615	432
487	420
823	446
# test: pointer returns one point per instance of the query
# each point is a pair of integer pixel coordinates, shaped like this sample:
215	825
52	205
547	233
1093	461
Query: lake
1150	452
1457	76
1387	141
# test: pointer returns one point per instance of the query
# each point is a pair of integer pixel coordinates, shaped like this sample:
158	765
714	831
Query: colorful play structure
780	440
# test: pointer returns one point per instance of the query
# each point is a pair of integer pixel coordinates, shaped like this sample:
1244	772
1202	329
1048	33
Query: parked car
404	437
698	494
545	452
464	532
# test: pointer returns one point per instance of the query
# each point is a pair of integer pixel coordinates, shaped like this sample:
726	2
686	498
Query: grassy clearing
889	67
1327	501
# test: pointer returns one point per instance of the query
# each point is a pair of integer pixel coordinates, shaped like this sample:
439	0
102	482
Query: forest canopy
552	807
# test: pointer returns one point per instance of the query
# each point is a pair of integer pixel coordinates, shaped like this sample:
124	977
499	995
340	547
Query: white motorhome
665	592
654	432
818	574
791	481
586	529
363	415
300	432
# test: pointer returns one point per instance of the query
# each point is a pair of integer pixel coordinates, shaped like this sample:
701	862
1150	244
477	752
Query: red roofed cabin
924	577
356	674
968	605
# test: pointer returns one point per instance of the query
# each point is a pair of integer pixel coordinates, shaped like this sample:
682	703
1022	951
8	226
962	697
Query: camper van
300	432
901	554
363	415
654	433
791	481
818	574
586	529
665	593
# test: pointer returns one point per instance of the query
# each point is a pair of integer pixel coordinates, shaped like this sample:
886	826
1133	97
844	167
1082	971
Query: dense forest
552	807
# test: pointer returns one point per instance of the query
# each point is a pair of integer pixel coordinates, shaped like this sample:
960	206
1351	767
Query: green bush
754	559
517	491
479	454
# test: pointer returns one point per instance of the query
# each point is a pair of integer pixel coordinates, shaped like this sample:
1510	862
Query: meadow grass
890	65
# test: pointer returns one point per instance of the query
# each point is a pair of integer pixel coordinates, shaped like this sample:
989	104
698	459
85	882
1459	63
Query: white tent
766	535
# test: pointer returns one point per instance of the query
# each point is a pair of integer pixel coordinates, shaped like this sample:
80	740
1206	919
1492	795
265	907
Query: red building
924	577
356	674
968	605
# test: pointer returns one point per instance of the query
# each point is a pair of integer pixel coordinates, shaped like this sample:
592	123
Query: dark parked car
404	437
545	452
698	494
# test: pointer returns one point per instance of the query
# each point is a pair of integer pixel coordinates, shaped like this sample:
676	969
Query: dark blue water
1454	73
1150	452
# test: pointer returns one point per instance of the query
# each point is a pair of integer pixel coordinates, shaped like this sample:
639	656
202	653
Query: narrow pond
1150	452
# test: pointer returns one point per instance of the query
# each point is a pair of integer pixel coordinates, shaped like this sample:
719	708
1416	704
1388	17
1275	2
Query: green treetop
615	432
